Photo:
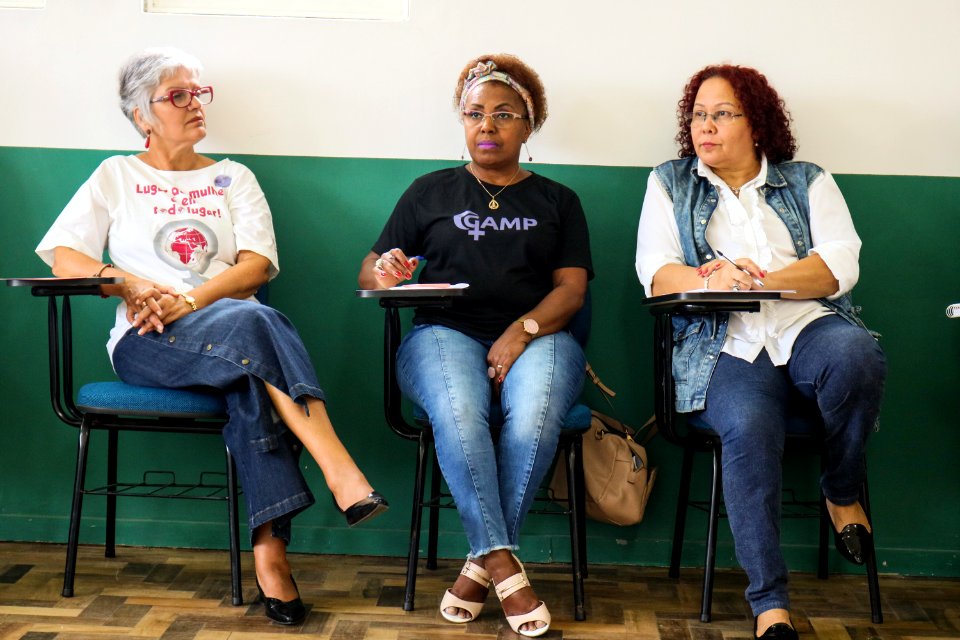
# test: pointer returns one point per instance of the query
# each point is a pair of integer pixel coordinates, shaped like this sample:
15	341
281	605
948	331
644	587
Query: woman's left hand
504	352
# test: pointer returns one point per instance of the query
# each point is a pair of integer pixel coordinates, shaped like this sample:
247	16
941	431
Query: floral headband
486	71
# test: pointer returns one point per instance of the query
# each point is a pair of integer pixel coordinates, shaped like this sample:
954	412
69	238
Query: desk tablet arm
60	334
392	300
664	308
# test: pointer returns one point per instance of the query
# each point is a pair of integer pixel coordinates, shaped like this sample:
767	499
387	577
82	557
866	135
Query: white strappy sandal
510	586
479	575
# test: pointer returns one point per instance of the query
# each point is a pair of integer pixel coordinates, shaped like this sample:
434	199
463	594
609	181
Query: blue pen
757	282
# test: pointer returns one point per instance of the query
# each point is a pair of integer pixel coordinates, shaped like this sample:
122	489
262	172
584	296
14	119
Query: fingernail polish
500	379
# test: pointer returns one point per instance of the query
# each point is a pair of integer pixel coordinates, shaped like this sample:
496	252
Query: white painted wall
873	84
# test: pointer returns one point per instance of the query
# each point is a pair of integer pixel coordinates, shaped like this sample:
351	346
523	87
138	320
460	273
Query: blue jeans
834	363
233	347
445	372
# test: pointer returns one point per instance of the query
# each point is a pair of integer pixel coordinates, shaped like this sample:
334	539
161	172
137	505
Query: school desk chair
569	449
116	407
693	435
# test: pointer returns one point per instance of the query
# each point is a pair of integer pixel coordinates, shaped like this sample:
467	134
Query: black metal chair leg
433	531
413	553
73	535
581	497
711	554
823	547
110	543
573	490
233	517
680	520
873	579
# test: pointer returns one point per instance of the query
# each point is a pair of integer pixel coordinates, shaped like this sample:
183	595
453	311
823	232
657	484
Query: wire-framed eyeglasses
500	118
183	97
721	117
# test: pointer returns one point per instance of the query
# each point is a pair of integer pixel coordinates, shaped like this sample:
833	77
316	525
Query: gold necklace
493	204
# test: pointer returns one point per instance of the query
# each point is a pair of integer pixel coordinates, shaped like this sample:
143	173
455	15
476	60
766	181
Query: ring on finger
736	286
499	366
379	264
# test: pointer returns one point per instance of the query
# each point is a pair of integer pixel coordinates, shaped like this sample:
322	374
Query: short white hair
144	72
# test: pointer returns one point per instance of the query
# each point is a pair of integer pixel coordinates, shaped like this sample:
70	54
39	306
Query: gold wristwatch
530	326
190	300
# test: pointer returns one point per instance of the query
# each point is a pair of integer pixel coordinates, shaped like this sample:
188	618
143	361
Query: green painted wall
327	213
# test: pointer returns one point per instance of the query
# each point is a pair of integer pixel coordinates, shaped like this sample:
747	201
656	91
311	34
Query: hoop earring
529	157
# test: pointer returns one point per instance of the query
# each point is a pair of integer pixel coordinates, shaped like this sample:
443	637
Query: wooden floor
184	595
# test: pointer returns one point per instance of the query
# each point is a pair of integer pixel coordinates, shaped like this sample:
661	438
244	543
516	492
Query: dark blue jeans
840	367
233	347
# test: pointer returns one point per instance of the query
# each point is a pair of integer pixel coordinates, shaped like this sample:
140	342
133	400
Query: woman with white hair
193	239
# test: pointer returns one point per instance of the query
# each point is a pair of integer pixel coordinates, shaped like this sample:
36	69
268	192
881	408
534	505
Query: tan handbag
616	476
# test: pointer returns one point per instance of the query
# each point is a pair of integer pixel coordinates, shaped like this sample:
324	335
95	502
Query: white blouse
747	227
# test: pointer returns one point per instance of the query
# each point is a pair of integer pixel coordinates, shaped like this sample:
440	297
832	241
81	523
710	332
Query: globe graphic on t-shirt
187	244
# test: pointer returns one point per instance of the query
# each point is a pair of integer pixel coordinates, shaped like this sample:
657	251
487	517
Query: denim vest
698	339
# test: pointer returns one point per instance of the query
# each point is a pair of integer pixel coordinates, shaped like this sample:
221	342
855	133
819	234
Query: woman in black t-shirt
520	241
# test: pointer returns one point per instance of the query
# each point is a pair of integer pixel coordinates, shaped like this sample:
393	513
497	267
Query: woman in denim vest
734	213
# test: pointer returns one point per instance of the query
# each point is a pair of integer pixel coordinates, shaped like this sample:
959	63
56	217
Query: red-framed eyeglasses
183	97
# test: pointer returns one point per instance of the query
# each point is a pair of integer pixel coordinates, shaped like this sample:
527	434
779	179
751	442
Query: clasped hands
151	306
723	275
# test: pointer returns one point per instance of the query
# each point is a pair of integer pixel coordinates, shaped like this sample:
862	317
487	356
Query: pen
757	282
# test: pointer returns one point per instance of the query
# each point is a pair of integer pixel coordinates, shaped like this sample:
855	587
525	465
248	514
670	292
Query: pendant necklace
493	204
736	191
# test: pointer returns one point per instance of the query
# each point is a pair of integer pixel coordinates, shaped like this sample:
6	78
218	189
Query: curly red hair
519	71
763	106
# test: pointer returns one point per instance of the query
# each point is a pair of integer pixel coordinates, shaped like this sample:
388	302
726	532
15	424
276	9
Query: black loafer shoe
373	505
780	631
854	543
288	613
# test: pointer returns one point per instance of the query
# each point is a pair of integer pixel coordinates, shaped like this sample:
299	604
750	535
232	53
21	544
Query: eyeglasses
500	118
183	97
722	118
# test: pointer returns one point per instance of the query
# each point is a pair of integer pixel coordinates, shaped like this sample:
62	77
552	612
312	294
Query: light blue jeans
445	372
840	367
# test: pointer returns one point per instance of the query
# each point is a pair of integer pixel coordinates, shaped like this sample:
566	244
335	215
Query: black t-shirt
507	256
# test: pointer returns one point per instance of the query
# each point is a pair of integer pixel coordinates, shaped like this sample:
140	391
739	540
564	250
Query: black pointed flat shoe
373	505
288	613
779	631
854	543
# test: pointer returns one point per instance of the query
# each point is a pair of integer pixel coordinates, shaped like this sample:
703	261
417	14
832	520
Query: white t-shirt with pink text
178	228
